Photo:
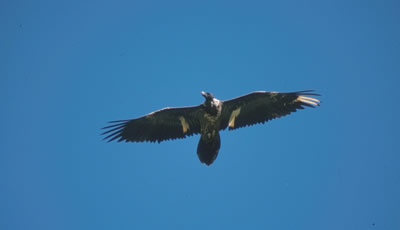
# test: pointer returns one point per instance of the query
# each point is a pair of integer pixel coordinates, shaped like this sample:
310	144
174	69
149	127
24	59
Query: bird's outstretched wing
161	125
261	106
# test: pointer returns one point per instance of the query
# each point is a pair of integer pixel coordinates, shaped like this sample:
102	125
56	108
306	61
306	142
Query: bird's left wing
261	106
161	125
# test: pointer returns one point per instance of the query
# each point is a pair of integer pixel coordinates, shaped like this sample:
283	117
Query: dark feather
261	106
158	126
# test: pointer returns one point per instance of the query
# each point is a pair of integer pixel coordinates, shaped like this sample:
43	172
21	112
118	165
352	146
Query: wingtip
309	92
309	101
118	121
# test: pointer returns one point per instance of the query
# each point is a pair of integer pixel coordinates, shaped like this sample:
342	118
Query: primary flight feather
209	118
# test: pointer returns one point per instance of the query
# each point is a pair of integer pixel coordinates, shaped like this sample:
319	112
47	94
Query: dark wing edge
164	124
261	106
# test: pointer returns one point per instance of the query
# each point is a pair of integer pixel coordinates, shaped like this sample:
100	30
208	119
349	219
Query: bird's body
210	141
209	118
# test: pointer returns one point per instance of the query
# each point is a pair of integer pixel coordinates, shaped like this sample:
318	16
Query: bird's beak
204	94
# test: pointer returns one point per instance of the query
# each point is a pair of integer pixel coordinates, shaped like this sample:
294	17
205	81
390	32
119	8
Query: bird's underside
209	118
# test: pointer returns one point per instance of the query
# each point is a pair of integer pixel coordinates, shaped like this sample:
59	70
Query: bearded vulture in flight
209	118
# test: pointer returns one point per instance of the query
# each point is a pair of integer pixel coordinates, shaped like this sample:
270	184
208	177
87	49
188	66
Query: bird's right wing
262	106
161	125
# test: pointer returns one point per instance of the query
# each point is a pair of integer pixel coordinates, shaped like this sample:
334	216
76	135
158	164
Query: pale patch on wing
309	100
185	125
233	116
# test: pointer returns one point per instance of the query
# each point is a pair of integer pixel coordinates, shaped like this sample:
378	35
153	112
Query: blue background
68	67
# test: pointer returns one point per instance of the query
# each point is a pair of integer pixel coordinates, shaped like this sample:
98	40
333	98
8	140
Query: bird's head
207	96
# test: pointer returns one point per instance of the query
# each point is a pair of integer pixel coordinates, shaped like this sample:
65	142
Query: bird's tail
208	149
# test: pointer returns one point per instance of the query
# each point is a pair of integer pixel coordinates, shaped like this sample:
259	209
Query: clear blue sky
68	67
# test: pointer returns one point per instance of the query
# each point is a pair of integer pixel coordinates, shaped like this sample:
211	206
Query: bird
209	118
